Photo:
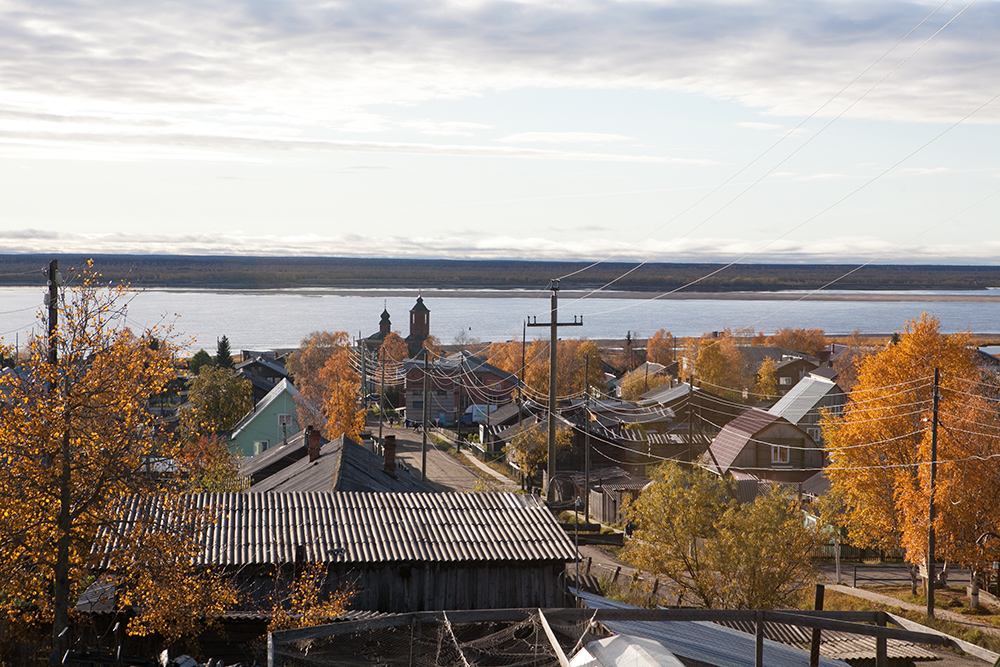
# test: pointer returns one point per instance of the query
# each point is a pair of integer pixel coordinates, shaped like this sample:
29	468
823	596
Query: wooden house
806	402
272	420
765	446
457	381
264	374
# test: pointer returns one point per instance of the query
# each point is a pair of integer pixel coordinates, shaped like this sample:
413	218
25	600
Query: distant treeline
349	273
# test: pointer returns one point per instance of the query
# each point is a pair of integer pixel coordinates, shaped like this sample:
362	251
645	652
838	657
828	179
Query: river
268	319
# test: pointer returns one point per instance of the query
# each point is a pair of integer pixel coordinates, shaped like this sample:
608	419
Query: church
420	329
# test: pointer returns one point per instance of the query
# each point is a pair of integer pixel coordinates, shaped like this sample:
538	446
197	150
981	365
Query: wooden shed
400	551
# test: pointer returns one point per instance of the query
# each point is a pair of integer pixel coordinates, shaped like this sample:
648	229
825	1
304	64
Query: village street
443	470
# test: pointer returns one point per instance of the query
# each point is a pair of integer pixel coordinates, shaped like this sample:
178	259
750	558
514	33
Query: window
780	455
284	420
260	446
784	380
814	433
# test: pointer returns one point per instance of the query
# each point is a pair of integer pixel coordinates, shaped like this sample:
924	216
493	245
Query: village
317	500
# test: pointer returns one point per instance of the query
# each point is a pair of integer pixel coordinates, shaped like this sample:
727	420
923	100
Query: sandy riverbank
986	296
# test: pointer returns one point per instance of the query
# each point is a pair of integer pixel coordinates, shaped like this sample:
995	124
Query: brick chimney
389	448
312	443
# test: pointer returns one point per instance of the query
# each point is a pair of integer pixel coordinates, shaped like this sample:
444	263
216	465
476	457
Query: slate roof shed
402	551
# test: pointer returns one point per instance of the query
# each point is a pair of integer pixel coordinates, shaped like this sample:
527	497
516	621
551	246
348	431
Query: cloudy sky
781	130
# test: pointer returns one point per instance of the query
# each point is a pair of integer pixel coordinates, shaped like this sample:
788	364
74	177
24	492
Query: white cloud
480	246
318	65
562	138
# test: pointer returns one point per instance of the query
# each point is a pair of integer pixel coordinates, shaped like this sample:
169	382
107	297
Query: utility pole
364	371
381	399
52	301
458	410
553	325
586	448
931	509
690	417
423	446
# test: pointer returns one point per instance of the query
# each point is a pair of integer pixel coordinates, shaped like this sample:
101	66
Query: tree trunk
942	579
973	588
60	620
914	573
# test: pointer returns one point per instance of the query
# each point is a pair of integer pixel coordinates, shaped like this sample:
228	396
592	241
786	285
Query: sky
626	130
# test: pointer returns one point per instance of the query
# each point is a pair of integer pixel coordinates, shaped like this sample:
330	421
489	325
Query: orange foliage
342	388
76	437
394	347
659	348
807	341
880	447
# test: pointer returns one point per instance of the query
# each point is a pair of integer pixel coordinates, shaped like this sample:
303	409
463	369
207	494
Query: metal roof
803	397
271	528
666	394
737	433
835	644
703	641
343	465
280	456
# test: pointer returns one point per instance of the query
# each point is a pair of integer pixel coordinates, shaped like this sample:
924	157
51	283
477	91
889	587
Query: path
444	471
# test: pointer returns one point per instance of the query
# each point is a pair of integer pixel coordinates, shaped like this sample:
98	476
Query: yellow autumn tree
659	348
342	386
880	448
306	602
506	356
767	379
571	368
394	347
217	399
76	437
718	553
722	368
529	449
639	381
807	341
306	365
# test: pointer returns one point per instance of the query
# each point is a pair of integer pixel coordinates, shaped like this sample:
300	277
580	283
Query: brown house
763	445
456	382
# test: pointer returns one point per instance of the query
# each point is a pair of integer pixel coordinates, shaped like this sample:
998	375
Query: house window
814	433
784	380
260	446
284	420
780	455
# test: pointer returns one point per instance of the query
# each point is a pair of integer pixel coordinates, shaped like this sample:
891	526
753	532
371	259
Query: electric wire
776	144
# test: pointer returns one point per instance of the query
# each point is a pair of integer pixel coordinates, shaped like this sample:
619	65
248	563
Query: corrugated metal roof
803	397
734	437
267	528
343	465
834	644
704	641
666	394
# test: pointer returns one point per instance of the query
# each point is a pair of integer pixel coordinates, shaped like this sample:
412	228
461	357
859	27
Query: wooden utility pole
586	449
553	325
458	410
426	411
930	508
381	398
52	301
